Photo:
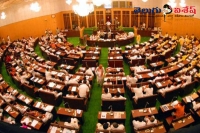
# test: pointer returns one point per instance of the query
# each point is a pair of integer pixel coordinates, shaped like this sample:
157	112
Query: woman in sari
100	71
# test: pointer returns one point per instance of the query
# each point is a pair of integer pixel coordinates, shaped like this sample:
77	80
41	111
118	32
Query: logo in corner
167	9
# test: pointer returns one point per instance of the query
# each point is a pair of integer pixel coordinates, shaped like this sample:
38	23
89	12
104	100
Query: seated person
47	116
138	92
139	123
148	90
108	82
179	110
130	80
116	126
196	104
72	122
8	97
118	96
89	72
104	126
83	90
106	94
9	120
72	81
150	120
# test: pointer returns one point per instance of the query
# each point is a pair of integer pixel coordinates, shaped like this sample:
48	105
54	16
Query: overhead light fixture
182	3
68	2
172	3
144	0
83	8
3	15
35	7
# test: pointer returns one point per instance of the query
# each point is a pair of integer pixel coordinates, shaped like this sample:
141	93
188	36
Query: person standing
100	71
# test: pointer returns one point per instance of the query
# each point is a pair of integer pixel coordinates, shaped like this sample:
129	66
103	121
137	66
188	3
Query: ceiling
7	3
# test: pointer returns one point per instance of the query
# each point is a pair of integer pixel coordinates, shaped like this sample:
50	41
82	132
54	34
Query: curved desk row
106	43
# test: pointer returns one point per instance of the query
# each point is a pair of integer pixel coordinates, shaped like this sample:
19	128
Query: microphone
171	103
145	108
110	107
69	109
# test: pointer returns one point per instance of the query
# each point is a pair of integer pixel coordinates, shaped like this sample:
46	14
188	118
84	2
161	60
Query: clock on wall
53	15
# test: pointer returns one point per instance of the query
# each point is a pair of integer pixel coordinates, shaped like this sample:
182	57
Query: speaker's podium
104	27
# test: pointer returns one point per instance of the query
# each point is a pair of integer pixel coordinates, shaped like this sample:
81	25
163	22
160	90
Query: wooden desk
25	99
163	84
147	75
74	112
92	58
154	129
59	128
113	91
13	91
55	86
11	111
166	107
185	121
35	124
50	63
43	106
146	33
193	96
140	112
38	80
117	115
157	64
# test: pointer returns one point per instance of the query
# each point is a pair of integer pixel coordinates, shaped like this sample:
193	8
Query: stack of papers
159	84
34	123
74	88
51	84
38	104
103	115
53	130
117	115
58	86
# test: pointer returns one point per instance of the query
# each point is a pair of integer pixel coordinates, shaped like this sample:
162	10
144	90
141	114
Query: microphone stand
145	108
111	112
69	109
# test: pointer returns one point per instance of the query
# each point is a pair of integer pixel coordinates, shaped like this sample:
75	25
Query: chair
169	95
188	89
89	63
30	90
49	97
76	103
117	104
70	61
54	58
142	101
137	62
115	63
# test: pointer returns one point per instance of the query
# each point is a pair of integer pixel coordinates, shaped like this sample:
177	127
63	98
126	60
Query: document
38	104
103	115
74	88
159	84
34	123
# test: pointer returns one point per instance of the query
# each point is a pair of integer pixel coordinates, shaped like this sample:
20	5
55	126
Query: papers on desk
78	111
178	79
27	101
111	57
74	88
103	115
159	84
105	79
165	108
118	89
139	76
54	72
53	129
35	80
123	78
188	99
60	74
40	80
58	86
8	109
68	67
150	74
51	84
32	78
162	71
117	114
38	104
48	108
34	123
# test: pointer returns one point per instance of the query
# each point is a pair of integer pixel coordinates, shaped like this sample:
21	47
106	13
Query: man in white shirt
89	72
138	123
72	81
48	75
72	122
150	120
106	95
148	91
83	90
104	126
118	96
138	92
130	80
